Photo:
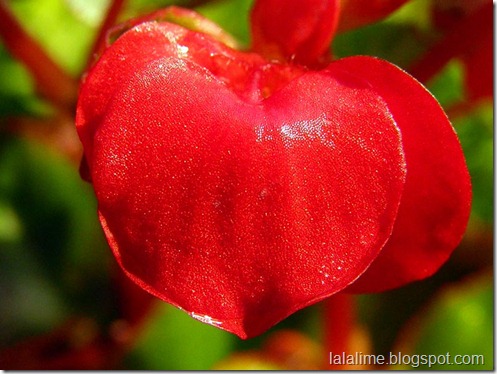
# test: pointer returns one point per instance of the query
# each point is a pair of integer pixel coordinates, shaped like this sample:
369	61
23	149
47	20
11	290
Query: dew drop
206	319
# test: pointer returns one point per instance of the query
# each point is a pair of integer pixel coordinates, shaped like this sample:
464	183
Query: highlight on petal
435	205
240	209
298	30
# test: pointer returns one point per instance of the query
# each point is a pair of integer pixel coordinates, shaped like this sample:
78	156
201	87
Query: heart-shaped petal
235	189
436	203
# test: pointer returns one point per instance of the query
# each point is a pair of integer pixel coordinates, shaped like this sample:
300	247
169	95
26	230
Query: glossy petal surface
435	206
237	190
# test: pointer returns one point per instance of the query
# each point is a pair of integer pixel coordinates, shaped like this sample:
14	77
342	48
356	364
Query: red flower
242	190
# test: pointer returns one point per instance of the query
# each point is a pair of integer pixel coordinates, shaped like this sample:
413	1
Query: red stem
339	320
109	21
51	81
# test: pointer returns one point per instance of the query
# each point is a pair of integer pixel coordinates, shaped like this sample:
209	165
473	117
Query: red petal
300	30
239	210
435	206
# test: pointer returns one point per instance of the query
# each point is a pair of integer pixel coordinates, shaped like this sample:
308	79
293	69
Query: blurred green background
64	302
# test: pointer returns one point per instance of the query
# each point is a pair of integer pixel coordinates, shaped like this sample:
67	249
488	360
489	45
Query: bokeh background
64	304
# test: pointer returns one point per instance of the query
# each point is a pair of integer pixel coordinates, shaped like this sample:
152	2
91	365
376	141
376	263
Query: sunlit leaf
172	340
447	86
10	225
232	15
60	28
454	333
476	134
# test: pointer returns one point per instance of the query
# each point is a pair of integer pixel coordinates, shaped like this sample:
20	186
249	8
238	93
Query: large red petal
239	210
435	206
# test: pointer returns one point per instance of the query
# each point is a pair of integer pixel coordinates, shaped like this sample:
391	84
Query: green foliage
459	326
475	131
476	134
51	249
385	40
448	85
61	28
233	16
17	96
173	340
400	38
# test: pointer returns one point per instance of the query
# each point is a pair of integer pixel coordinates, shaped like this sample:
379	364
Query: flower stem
339	321
51	81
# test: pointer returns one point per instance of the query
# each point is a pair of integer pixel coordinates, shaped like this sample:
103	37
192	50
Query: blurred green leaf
414	12
52	249
17	94
31	303
89	12
457	325
173	340
57	208
10	225
448	85
399	39
14	80
61	28
476	132
231	15
388	41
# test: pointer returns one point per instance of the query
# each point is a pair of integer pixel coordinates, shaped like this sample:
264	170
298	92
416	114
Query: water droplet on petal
206	319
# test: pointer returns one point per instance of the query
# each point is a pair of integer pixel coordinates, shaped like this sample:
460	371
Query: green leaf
17	94
31	303
11	229
455	332
52	250
173	340
384	40
448	85
476	132
63	30
414	12
231	15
